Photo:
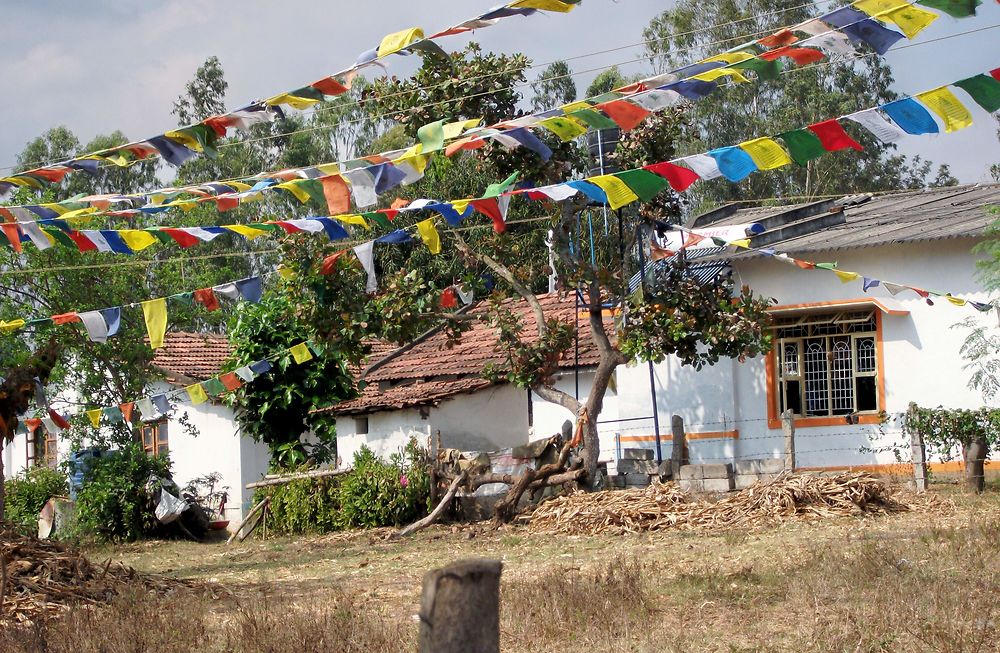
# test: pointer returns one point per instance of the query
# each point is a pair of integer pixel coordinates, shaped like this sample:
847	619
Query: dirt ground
920	581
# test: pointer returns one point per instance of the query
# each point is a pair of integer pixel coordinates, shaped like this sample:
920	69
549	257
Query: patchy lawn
915	581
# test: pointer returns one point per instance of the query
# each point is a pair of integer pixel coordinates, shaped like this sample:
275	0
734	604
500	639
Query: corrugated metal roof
911	216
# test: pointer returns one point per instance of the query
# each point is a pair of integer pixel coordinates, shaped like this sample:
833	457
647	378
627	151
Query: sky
103	65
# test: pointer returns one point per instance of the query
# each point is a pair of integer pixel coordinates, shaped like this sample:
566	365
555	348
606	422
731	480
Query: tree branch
556	396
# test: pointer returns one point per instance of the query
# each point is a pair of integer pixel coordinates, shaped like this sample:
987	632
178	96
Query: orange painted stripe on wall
666	437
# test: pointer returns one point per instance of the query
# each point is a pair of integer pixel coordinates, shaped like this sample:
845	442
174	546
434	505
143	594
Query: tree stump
460	608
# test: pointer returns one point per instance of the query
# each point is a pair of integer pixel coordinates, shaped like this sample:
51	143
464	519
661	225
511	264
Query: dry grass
914	581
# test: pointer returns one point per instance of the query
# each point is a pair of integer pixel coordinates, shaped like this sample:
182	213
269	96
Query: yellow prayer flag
184	205
731	57
329	168
429	234
455	129
545	5
951	110
846	276
301	353
618	192
460	205
78	213
293	101
187	140
398	40
137	239
95	417
743	242
353	219
12	326
957	301
564	127
154	312
766	153
875	8
716	73
579	105
912	20
245	230
196	393
293	188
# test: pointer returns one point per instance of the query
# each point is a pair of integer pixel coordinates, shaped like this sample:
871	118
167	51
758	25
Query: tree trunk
3	482
975	464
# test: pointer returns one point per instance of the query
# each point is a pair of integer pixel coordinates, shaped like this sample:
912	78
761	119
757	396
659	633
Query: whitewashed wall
921	359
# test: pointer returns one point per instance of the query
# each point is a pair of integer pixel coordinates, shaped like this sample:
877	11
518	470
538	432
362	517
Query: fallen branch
437	512
250	515
287	478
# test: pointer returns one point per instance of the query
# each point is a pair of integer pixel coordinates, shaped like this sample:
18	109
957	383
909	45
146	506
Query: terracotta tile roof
429	371
197	356
420	393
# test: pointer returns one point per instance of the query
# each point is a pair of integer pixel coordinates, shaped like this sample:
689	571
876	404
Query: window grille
827	363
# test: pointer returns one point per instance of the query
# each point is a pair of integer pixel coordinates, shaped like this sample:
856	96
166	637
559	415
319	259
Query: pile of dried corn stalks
664	506
39	578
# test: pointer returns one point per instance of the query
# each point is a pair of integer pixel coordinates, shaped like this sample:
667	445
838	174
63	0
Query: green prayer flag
827	266
431	136
162	236
643	183
61	237
309	93
113	415
494	190
956	8
594	119
378	218
766	70
184	298
803	145
213	387
984	90
314	189
605	97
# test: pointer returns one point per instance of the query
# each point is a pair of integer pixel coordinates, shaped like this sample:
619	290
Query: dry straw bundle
664	506
39	578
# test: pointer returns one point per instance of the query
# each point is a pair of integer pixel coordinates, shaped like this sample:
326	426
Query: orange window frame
771	374
159	437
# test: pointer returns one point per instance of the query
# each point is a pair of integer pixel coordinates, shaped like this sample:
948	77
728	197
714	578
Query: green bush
27	493
374	493
112	504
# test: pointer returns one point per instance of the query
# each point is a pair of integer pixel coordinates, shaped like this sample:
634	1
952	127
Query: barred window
827	364
154	438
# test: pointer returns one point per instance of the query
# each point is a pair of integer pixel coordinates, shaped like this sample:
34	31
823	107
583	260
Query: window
361	425
154	438
35	447
826	365
51	450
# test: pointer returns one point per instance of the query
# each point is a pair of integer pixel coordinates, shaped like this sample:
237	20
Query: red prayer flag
219	124
491	209
996	71
449	298
801	56
833	137
65	318
330	262
181	237
230	380
680	178
13	234
338	196
126	409
625	114
58	419
224	204
657	253
329	86
467	143
83	243
32	424
778	39
54	175
287	226
206	297
637	87
805	265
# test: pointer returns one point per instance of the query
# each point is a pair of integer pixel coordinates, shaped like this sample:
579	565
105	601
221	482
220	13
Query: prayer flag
431	136
154	312
260	367
58	419
867	283
490	207
213	387
766	153
196	393
846	276
733	162
859	27
833	137
705	166
911	116
113	415
429	234
337	194
94	416
362	187
955	8
137	239
985	90
948	107
301	353
230	381
246	374
564	127
97	328
366	255
396	41
206	297
617	191
250	289
625	114
646	185
680	179
126	409
801	56
878	125
449	298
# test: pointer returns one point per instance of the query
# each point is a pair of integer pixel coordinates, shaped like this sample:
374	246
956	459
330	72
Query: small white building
200	440
851	360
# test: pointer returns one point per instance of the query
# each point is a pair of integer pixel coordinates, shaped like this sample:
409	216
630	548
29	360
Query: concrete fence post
918	451
678	449
788	428
460	608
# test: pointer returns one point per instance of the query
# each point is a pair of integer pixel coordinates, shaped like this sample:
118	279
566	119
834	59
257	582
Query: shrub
374	493
112	504
27	493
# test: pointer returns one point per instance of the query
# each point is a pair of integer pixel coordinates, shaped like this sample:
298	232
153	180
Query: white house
851	361
210	443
